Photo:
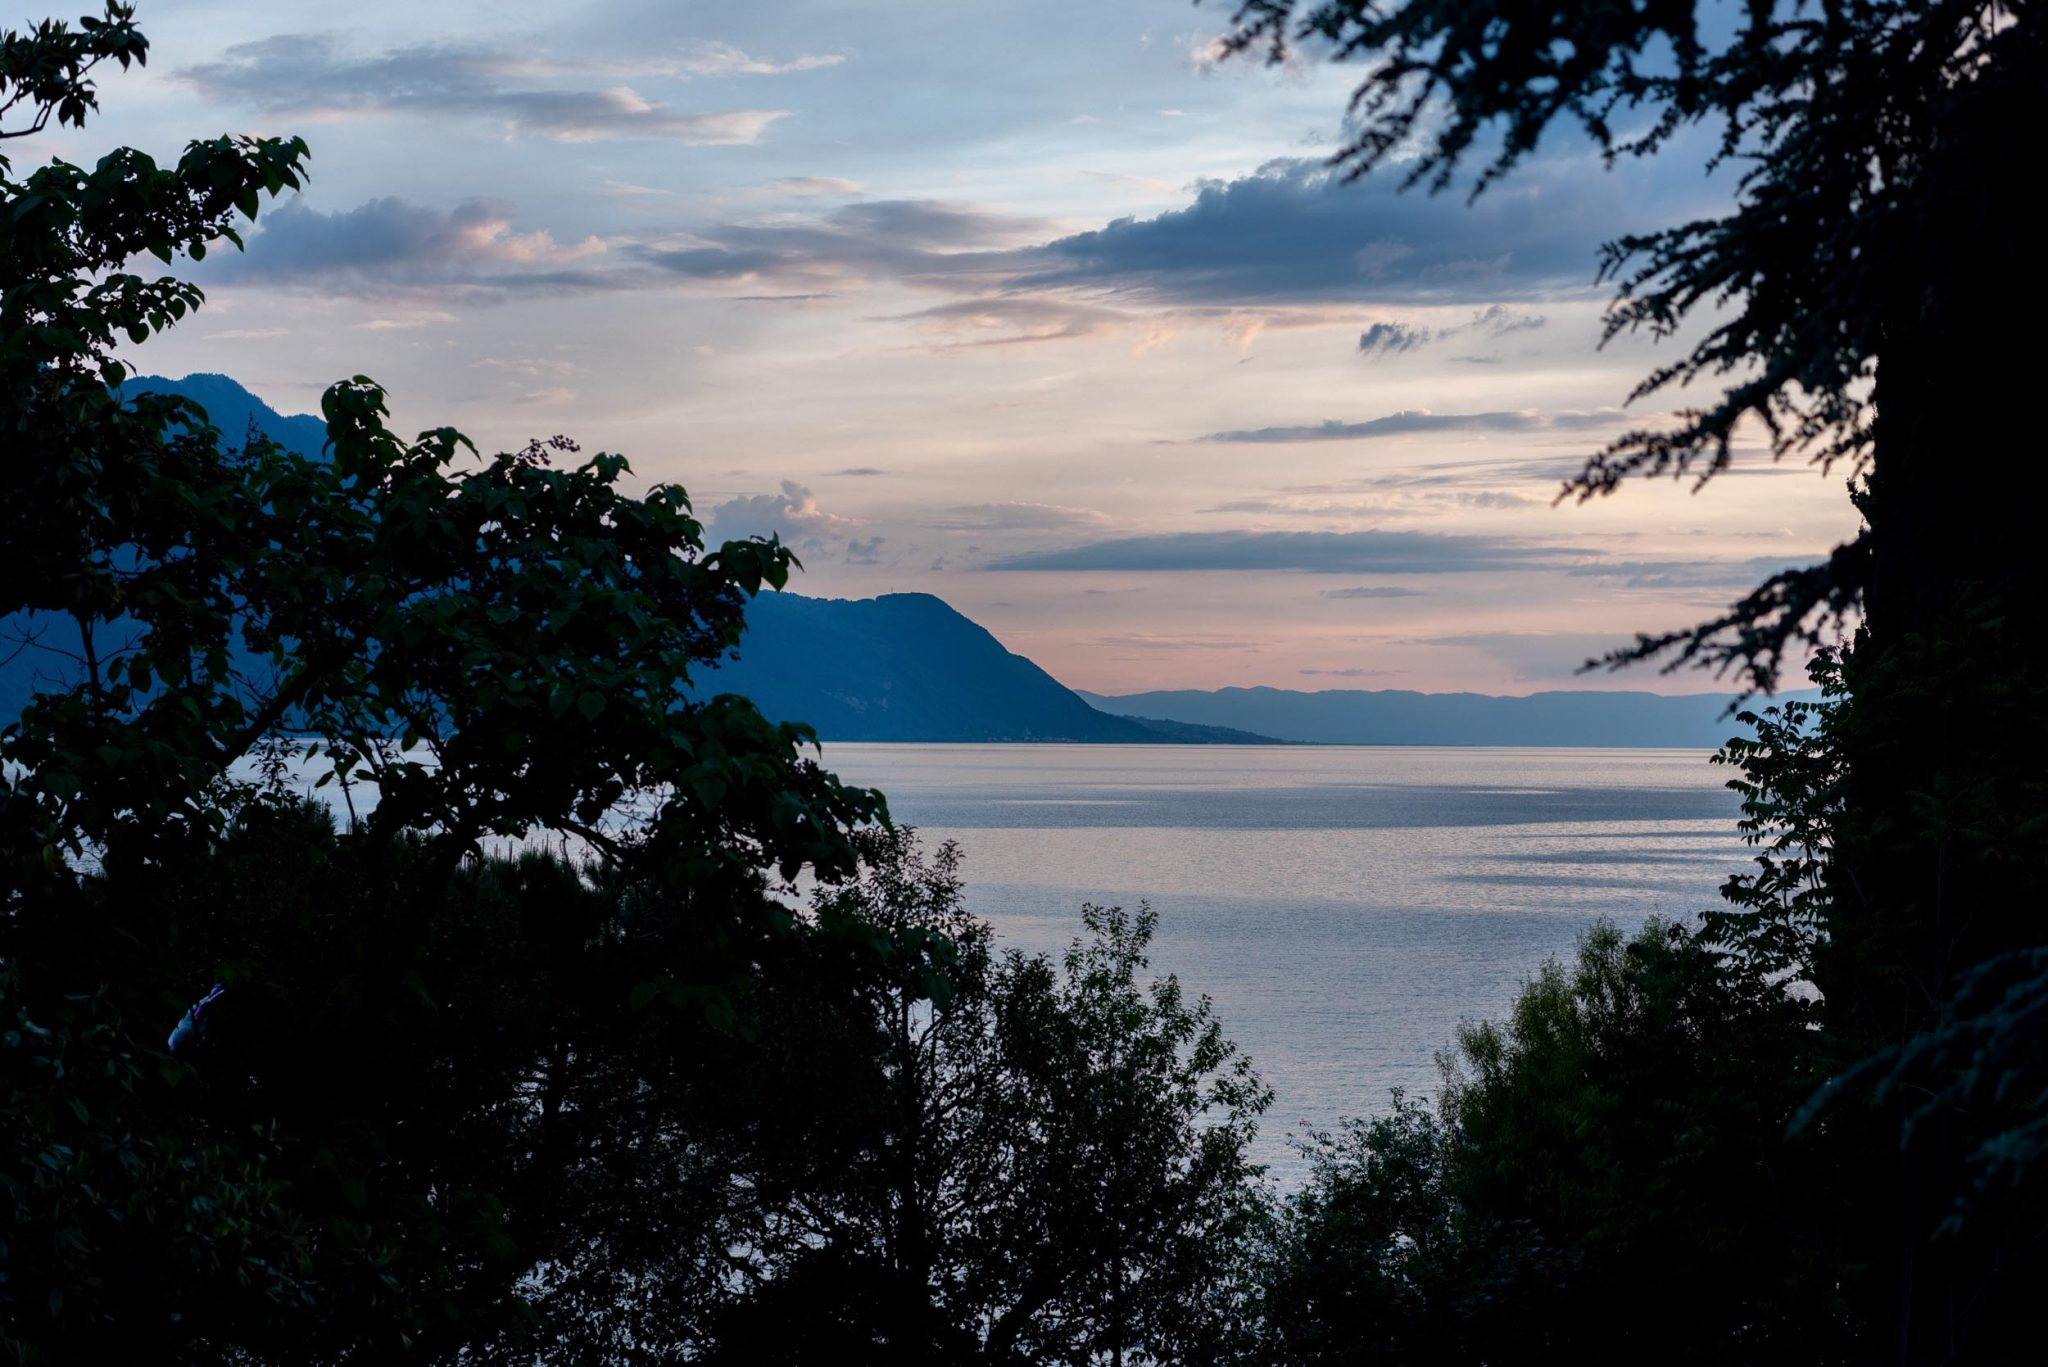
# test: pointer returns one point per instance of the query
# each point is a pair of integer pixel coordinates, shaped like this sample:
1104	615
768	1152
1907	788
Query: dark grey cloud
1289	235
1371	591
312	74
1382	338
1501	319
1295	232
865	550
1369	552
395	243
1391	339
1414	420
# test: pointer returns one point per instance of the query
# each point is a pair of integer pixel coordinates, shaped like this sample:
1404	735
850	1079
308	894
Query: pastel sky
1036	307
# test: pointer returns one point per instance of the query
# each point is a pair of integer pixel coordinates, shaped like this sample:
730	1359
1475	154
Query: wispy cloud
1691	574
806	186
1413	420
314	76
1391	339
1014	320
1364	552
930	241
1371	591
993	517
723	59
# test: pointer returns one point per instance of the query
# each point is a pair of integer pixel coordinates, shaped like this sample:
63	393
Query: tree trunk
1943	860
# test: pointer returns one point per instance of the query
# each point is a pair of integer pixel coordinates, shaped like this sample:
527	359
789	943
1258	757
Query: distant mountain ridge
234	410
907	667
1399	717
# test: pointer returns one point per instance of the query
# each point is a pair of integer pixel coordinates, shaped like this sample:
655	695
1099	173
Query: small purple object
191	1028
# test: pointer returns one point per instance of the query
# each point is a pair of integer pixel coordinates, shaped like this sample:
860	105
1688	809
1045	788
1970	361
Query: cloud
723	59
1689	574
1293	231
394	242
312	76
1496	320
859	471
1289	237
1402	496
805	186
1414	420
1391	339
931	241
1014	320
865	550
1371	591
989	517
1501	319
417	319
530	367
793	514
1366	552
1490	498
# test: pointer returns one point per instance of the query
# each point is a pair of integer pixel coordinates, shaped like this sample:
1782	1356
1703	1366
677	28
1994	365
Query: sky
1039	308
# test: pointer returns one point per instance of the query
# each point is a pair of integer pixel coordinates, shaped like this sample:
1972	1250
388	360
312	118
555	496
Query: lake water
1346	907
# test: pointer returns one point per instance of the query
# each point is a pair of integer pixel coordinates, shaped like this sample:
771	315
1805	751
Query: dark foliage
1855	304
1608	1181
525	628
1052	1169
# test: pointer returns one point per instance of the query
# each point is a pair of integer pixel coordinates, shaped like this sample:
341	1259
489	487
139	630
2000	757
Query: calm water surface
1346	907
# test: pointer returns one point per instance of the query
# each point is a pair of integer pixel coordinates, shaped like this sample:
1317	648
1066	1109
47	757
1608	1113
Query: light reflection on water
1345	907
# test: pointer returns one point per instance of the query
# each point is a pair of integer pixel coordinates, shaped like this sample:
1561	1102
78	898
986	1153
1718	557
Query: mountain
906	667
232	409
1353	717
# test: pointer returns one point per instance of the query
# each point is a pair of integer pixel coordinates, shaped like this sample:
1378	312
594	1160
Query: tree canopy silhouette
500	644
1860	302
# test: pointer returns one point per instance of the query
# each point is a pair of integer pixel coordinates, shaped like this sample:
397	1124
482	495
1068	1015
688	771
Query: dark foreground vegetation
637	1101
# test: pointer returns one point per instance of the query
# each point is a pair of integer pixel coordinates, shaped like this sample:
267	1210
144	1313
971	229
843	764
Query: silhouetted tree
1053	1168
1856	304
528	627
1607	1181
